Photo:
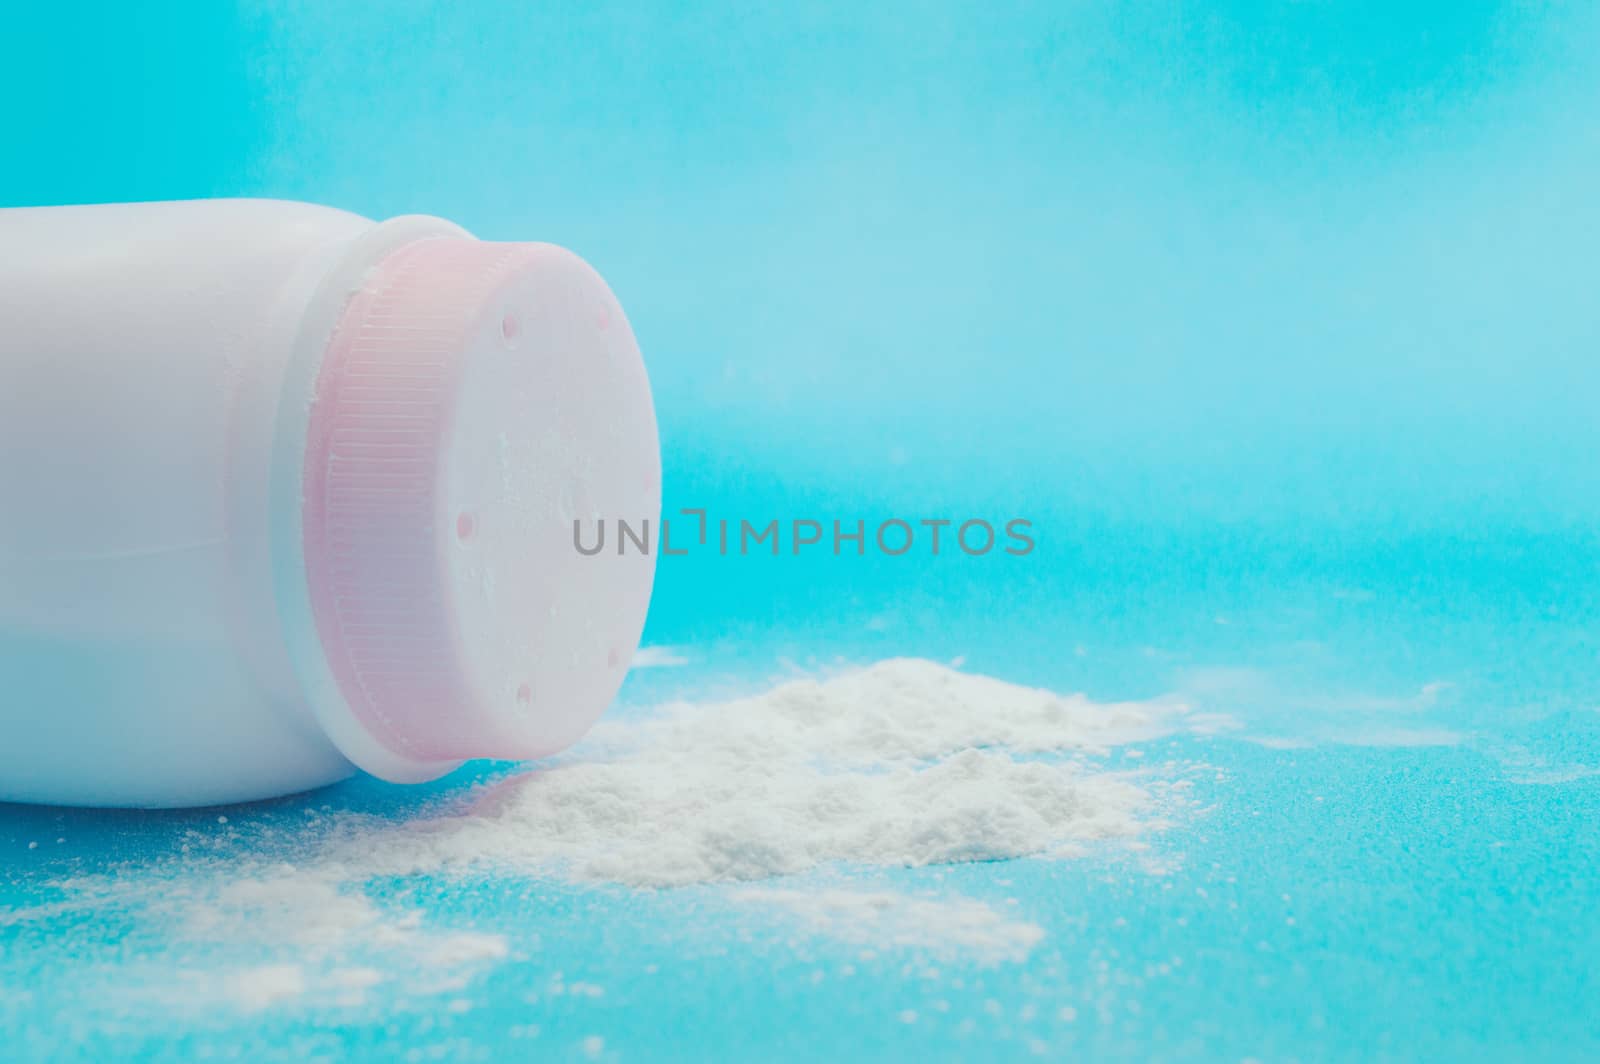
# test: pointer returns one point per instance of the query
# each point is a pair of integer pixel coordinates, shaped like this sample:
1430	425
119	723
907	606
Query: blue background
1277	321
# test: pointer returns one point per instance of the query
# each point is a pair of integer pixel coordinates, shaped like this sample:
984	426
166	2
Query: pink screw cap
474	401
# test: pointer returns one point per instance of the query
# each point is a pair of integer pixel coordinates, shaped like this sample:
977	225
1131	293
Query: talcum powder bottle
286	492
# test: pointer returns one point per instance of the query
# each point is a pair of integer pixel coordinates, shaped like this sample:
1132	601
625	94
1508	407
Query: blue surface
1279	326
1336	900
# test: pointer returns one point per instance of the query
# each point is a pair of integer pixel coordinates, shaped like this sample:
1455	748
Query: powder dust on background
905	763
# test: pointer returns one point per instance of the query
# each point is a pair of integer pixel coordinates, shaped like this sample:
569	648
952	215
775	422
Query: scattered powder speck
888	919
257	988
349	986
658	657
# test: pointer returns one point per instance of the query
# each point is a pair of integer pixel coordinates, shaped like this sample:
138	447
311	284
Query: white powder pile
905	763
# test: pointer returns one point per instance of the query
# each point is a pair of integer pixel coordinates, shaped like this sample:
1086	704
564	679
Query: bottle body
159	367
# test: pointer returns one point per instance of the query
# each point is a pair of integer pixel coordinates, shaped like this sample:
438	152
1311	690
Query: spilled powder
788	797
902	764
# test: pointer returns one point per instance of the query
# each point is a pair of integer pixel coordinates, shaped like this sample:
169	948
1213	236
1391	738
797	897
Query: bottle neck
318	306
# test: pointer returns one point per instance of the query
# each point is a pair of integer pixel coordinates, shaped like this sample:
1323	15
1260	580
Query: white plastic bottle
286	492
